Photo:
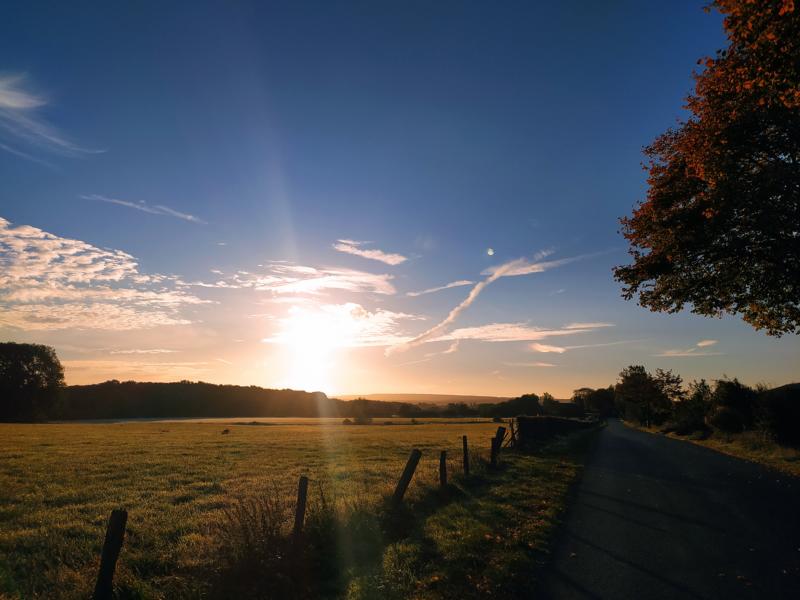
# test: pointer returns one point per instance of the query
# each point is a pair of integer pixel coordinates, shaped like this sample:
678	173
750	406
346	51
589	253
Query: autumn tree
31	379
719	230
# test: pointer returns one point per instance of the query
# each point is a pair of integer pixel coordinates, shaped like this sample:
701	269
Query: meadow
178	480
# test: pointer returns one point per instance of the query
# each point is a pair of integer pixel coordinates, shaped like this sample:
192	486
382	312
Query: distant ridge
427	398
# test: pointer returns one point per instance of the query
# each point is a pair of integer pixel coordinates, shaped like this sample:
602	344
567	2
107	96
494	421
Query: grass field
58	483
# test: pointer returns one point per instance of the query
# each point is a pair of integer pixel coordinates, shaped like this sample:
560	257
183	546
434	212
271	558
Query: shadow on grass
479	537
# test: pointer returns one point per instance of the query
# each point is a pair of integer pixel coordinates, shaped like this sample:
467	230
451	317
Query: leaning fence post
466	455
115	534
443	468
500	435
495	448
408	473
300	510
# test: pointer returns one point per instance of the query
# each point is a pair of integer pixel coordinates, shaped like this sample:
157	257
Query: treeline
725	405
131	399
189	399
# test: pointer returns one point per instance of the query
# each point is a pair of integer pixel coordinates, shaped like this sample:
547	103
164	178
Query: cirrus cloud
356	248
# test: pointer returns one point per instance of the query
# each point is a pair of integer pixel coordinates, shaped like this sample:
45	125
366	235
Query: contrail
520	266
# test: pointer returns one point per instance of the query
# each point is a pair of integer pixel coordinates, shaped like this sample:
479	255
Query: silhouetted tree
639	397
31	379
581	396
733	406
690	413
719	228
601	401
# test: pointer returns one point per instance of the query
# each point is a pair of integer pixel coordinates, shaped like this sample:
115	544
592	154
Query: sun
311	341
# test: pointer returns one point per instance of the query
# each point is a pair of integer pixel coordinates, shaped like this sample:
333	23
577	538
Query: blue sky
227	147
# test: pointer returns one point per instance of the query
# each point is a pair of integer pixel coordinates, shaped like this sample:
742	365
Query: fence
117	522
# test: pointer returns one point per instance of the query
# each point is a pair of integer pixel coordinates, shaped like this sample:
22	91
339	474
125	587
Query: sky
352	197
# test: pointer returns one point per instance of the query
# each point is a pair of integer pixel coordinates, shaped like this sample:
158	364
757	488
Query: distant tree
31	380
601	401
639	397
719	228
690	413
670	384
527	404
581	396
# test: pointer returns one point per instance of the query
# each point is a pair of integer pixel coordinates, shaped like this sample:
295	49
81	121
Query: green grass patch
181	481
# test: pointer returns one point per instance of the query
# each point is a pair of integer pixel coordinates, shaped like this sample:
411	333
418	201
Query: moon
490	251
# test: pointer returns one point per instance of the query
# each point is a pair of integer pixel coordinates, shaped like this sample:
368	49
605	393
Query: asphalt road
654	517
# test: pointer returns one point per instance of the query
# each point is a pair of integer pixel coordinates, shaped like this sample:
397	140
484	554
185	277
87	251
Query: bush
690	415
733	406
780	413
726	419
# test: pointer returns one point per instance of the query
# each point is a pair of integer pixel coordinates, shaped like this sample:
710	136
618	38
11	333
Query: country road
654	517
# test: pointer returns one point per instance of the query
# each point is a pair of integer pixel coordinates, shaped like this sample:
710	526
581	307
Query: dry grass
754	446
180	481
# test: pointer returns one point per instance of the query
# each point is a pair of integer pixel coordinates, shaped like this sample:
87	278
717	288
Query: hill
427	398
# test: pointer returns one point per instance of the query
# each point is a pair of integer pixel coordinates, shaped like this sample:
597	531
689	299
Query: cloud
355	247
347	325
155	209
447	286
283	278
691	352
561	349
22	131
514	268
144	351
536	364
49	282
590	325
536	347
509	332
451	349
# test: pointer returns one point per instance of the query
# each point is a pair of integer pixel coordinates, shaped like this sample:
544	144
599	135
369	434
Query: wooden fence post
443	469
115	534
300	510
408	473
501	435
497	443
466	455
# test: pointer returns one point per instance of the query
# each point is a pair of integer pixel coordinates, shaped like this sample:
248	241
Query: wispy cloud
144	351
357	248
447	286
49	282
695	351
22	131
514	268
451	349
283	278
561	349
537	347
536	364
509	332
154	209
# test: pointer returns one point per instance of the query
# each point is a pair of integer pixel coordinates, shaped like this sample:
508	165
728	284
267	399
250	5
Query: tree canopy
31	378
719	230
